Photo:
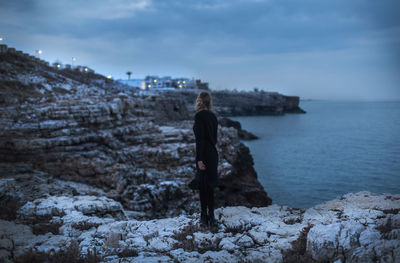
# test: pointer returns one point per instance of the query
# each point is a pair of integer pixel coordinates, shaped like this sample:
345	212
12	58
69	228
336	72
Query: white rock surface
358	227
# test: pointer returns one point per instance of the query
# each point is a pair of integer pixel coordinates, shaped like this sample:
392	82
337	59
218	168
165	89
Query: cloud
210	37
111	10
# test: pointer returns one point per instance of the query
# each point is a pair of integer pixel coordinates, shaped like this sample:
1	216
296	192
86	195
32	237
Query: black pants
206	196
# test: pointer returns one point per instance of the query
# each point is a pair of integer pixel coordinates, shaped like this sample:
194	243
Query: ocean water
336	148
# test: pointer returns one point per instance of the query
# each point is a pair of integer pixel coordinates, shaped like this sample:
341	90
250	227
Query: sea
335	148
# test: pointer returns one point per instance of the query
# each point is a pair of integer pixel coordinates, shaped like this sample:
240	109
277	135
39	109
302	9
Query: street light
1	39
38	52
109	76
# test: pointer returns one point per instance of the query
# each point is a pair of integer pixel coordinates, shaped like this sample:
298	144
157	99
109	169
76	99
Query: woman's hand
201	165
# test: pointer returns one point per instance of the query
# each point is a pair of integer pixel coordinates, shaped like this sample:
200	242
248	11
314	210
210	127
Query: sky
316	49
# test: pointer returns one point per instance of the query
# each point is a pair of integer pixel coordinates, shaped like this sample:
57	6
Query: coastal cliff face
237	103
91	169
361	227
87	135
255	103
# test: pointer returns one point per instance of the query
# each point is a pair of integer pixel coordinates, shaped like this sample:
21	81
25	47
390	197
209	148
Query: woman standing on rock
206	129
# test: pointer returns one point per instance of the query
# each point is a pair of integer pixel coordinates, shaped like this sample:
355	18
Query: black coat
206	132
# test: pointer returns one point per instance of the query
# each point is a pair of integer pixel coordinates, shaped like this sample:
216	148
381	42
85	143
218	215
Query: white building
166	82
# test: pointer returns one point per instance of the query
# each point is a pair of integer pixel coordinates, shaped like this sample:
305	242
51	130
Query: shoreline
89	165
318	174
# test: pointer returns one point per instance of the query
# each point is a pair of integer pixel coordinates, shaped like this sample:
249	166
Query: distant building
57	65
151	82
3	48
166	82
201	85
180	83
135	83
84	69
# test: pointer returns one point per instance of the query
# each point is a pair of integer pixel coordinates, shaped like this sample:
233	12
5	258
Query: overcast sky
338	49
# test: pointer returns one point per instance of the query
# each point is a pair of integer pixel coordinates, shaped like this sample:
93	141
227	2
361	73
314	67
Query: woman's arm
199	133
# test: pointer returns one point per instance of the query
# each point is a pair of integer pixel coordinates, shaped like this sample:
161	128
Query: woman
206	129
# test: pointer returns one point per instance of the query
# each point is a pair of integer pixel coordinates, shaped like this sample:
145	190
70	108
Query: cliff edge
69	132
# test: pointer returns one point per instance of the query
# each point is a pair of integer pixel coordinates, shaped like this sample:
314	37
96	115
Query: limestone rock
260	234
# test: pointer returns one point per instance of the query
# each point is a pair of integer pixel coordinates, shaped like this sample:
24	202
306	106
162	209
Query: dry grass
186	241
386	228
127	252
43	228
237	229
394	211
71	254
83	226
298	252
181	237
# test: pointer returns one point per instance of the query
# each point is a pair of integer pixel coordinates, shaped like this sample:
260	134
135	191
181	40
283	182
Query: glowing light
180	86
39	51
109	76
58	66
86	69
1	39
179	81
155	81
149	86
184	82
143	86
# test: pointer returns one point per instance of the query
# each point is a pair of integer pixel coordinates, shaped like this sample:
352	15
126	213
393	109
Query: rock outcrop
93	170
360	227
61	127
243	134
238	103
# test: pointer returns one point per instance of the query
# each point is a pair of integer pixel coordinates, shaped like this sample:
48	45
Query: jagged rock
243	134
129	158
128	145
83	159
63	205
237	103
266	234
126	157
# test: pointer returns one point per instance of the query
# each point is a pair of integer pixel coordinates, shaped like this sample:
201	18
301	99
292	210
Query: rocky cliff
134	147
237	103
361	227
91	169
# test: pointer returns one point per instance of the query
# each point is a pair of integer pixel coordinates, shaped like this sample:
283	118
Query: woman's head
203	101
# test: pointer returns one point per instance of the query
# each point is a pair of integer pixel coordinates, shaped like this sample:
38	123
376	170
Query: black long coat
206	131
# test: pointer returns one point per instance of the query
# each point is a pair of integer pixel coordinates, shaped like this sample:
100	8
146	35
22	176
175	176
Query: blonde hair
203	101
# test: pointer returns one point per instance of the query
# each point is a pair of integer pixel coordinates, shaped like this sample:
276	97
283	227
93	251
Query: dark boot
212	222
203	219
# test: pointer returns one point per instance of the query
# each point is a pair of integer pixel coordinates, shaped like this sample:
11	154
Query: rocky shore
92	169
361	227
